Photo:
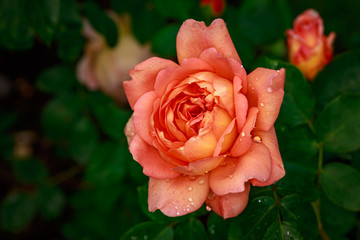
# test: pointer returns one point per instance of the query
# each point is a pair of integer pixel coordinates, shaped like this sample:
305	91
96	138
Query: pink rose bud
309	49
203	130
104	68
217	7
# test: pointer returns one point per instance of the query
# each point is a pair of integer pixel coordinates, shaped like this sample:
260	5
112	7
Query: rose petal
218	62
143	111
194	37
277	167
229	205
241	103
266	92
201	166
227	139
231	177
130	130
200	146
143	78
170	77
151	161
244	140
179	196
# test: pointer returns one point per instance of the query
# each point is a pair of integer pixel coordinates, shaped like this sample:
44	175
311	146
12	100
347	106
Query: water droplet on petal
178	213
269	89
190	199
208	208
257	139
190	189
192	177
262	104
243	134
188	209
202	181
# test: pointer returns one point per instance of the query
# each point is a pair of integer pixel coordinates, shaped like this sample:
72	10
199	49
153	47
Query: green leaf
165	37
30	171
112	118
102	22
14	28
341	184
338	125
217	226
283	230
300	215
149	230
174	9
51	202
17	211
70	41
254	222
83	139
107	164
191	229
342	75
336	221
298	104
56	80
43	17
264	21
60	114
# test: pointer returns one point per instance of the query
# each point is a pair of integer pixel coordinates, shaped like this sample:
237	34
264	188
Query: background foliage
65	170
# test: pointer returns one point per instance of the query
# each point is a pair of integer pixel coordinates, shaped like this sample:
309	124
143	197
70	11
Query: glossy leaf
51	202
83	139
17	211
56	80
342	75
14	27
338	125
165	37
217	227
43	16
191	229
101	22
107	164
341	184
283	230
149	230
69	37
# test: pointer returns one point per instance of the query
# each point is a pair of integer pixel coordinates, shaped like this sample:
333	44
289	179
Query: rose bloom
309	49
105	68
217	7
203	129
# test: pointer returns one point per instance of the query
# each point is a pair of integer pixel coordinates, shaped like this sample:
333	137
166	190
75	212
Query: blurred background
65	168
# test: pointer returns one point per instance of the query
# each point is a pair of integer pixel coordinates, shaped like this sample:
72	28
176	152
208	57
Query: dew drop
202	181
145	237
257	139
190	189
259	200
269	89
192	177
243	134
188	209
262	104
178	213
190	199
208	208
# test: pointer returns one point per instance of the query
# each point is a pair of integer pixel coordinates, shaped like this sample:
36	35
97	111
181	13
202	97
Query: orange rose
203	129
106	68
309	49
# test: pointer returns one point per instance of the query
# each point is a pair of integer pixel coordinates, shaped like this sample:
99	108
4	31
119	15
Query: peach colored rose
104	68
309	49
203	129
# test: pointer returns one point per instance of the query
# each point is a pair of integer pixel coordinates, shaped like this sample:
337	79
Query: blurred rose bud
104	68
217	7
309	49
